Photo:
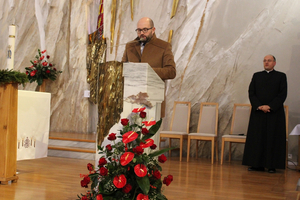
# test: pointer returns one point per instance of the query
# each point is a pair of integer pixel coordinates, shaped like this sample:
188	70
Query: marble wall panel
217	44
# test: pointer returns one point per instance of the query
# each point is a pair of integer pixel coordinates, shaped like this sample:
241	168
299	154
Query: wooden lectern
8	132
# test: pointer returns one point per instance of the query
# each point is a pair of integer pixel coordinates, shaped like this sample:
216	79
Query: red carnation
102	161
26	72
162	158
54	69
99	197
86	180
156	174
35	62
142	197
138	150
48	56
103	171
108	147
120	181
145	131
44	64
41	58
112	136
48	71
51	65
90	167
44	51
127	188
153	146
143	114
124	121
167	180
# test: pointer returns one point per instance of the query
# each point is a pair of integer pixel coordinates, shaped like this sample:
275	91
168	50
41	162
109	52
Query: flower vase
42	88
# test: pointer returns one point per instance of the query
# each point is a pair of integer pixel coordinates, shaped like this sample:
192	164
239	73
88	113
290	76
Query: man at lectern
147	48
266	138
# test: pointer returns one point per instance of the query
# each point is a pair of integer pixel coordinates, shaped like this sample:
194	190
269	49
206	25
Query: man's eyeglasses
268	60
145	30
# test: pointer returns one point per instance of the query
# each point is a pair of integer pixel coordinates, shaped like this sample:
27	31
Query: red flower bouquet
125	172
41	69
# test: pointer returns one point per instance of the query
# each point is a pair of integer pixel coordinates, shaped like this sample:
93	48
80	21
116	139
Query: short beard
148	38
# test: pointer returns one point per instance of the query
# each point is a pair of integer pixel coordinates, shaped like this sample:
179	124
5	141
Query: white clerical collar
269	71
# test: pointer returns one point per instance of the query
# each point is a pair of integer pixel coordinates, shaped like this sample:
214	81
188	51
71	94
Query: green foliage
11	76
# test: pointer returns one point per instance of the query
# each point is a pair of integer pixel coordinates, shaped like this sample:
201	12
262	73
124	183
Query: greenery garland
10	76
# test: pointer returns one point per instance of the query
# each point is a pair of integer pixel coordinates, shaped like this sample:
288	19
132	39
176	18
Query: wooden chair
180	122
207	129
239	127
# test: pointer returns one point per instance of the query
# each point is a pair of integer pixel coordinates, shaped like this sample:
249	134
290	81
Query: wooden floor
59	179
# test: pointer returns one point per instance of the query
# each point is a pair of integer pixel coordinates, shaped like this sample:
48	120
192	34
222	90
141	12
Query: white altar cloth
33	124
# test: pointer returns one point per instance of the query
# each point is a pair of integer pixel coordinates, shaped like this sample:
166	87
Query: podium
142	87
8	132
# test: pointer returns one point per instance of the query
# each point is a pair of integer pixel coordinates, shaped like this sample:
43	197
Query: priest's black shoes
256	169
272	170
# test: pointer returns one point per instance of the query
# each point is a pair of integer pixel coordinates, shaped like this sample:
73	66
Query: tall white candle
11	47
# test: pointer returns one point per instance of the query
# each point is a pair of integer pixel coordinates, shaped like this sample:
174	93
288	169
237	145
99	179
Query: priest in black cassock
266	137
